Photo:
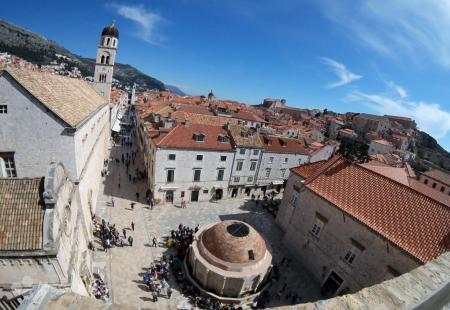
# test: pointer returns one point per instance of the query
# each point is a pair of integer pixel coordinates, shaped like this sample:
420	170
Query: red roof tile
183	137
282	145
414	222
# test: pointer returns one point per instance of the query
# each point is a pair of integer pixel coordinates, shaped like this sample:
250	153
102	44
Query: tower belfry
104	63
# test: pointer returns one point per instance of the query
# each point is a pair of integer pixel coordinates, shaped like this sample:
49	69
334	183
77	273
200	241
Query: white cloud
429	116
145	20
400	90
415	29
345	76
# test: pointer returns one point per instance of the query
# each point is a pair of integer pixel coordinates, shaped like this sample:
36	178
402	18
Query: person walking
169	292
124	233
113	201
132	206
155	244
155	296
132	226
130	240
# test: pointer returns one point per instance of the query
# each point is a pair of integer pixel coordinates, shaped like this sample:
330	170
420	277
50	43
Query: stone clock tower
104	63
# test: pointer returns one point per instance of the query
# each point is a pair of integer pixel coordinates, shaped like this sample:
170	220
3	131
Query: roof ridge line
163	138
321	170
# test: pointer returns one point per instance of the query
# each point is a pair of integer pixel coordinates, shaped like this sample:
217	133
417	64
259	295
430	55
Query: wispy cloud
345	76
415	29
145	20
399	90
430	117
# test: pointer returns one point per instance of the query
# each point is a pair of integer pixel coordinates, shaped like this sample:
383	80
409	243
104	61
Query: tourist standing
113	201
132	226
169	292
130	240
155	244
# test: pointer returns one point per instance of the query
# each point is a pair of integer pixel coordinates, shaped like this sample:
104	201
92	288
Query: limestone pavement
123	267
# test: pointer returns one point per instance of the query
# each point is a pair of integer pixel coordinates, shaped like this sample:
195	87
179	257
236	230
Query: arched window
107	41
107	60
114	42
102	60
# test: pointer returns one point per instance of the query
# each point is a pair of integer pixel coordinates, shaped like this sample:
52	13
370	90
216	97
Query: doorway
194	195
331	285
219	194
247	191
169	196
234	193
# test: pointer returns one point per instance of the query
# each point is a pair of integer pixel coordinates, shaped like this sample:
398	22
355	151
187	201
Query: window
282	172
270	160
434	185
293	199
7	165
250	179
426	181
255	152
224	139
171	156
199	157
236	179
223	158
3	109
317	227
251	255
442	188
199	137
253	165
268	172
220	174
239	165
351	254
170	175
205	191
286	160
242	151
197	173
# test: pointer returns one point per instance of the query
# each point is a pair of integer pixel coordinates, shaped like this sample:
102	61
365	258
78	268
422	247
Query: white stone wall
184	164
323	254
276	165
34	135
323	154
379	148
245	173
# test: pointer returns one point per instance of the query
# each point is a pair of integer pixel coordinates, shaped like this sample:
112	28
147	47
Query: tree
354	151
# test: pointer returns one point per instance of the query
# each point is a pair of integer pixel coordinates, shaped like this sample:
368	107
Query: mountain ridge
39	50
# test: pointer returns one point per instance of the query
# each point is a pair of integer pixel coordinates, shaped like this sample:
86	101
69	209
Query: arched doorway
169	196
219	194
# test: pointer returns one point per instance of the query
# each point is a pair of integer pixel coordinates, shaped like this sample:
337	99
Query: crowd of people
109	235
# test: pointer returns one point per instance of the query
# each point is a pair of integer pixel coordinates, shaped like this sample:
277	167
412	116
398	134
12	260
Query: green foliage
354	151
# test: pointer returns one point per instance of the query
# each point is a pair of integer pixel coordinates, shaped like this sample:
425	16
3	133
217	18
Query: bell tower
104	63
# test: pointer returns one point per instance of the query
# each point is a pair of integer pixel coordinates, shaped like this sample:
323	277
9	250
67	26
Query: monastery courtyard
122	268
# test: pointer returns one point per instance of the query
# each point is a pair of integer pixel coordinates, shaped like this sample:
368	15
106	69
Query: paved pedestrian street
122	268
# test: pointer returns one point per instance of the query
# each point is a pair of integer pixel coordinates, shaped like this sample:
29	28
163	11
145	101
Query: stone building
380	146
104	62
229	260
44	233
191	162
437	180
365	123
248	148
52	118
280	154
353	227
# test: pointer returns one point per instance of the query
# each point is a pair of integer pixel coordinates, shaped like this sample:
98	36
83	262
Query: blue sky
361	56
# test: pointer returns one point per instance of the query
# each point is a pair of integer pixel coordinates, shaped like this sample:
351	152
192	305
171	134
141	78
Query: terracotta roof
438	175
183	137
414	222
21	214
73	100
244	136
282	145
194	118
383	142
306	170
248	116
197	109
231	241
429	191
399	174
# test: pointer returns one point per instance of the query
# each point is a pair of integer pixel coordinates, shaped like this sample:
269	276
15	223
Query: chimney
186	123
